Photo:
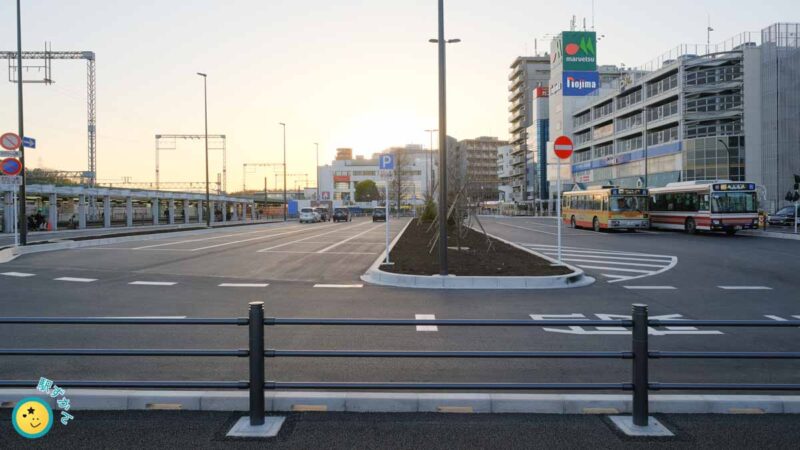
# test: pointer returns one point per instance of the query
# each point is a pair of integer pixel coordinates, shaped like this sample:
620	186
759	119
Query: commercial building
344	154
475	161
527	74
727	111
505	192
538	136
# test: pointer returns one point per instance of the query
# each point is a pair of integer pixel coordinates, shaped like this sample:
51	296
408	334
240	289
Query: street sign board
10	153
29	142
386	162
563	147
16	180
576	84
10	166
10	141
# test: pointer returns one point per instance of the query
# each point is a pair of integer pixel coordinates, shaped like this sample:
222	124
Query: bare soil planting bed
411	255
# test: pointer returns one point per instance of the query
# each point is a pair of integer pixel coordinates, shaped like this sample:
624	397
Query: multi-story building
687	116
344	154
527	74
475	161
506	193
538	135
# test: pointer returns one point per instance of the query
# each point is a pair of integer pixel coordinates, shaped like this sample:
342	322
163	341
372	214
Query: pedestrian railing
639	354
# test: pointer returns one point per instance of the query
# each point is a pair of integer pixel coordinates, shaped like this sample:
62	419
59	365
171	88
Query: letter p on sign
387	162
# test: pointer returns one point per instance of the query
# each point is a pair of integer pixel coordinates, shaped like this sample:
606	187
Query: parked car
784	216
324	214
342	215
379	215
308	215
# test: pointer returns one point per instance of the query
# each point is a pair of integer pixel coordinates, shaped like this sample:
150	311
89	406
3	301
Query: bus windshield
621	203
733	202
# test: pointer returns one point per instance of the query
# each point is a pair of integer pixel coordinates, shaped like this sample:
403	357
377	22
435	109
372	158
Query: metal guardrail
640	355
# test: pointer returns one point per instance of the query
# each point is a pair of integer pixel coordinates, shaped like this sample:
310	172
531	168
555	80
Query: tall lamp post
22	221
205	108
319	194
285	202
430	159
442	141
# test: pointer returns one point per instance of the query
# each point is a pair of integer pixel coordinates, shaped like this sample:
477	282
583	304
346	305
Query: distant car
307	215
342	215
784	216
379	215
324	214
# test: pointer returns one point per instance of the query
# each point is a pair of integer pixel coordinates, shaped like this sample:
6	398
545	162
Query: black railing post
256	353
640	362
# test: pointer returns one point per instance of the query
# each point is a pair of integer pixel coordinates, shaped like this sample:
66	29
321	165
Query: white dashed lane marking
18	274
318	285
153	283
615	265
650	288
76	280
244	285
745	288
426	327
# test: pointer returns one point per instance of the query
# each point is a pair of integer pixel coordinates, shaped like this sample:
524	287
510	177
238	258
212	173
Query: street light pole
285	202
319	194
430	159
22	220
205	109
442	146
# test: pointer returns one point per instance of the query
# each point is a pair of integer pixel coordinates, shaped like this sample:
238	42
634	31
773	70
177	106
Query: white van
307	215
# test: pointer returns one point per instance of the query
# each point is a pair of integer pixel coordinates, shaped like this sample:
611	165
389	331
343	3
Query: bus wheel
596	225
572	222
691	226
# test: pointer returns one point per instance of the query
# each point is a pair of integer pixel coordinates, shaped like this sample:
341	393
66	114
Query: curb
375	275
11	253
772	235
132	400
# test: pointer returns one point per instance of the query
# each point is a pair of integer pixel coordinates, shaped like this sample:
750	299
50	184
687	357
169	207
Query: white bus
705	205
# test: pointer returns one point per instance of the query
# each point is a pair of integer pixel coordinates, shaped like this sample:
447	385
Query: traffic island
475	261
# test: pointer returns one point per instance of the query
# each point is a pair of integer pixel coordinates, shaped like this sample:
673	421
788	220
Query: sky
351	73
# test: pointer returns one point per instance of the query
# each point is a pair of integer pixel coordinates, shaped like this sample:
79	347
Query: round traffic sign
10	141
563	147
10	166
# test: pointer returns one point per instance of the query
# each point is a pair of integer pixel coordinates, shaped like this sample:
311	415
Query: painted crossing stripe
76	280
319	285
650	288
245	285
745	288
153	283
426	327
18	274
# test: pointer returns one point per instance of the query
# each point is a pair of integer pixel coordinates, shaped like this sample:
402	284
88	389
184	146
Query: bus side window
703	204
605	203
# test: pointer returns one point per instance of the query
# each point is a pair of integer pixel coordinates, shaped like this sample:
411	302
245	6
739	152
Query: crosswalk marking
745	288
153	283
18	274
248	285
616	266
76	280
426	327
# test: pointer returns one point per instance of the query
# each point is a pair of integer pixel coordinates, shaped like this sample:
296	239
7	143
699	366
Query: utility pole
205	108
22	220
319	194
285	202
266	198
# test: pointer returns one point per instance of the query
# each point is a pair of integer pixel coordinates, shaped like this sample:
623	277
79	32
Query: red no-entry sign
563	147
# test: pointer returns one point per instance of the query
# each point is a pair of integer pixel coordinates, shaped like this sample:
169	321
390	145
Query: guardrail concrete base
242	428
654	427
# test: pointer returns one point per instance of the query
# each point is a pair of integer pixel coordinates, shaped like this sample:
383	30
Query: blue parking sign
386	162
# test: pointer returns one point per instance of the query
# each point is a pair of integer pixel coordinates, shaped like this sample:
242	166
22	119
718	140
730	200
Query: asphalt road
217	273
182	429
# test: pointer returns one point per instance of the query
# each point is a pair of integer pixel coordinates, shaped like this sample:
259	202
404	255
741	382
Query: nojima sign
577	84
579	50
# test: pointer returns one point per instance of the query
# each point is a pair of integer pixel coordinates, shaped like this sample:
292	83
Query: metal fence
639	355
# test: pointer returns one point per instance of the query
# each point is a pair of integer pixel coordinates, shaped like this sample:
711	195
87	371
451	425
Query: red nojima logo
572	49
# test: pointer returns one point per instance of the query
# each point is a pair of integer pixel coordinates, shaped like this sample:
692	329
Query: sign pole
16	234
387	221
22	224
558	207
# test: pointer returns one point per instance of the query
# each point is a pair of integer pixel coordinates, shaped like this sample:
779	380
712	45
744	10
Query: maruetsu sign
579	50
578	84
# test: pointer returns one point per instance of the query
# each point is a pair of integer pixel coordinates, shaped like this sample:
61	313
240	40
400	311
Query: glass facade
714	158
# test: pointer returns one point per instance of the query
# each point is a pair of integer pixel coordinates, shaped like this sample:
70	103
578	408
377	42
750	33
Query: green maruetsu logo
579	50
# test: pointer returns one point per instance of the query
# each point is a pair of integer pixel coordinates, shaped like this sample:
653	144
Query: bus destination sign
620	191
735	187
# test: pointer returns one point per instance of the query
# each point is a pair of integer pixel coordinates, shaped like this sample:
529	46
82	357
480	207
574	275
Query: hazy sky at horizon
357	74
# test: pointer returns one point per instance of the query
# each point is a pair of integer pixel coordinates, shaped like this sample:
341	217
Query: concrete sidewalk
310	430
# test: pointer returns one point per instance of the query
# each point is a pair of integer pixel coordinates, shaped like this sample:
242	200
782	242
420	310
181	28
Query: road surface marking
601	330
142	317
18	274
338	230
153	283
609	262
248	240
650	288
332	246
315	253
745	288
76	280
254	285
213	237
320	285
426	327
